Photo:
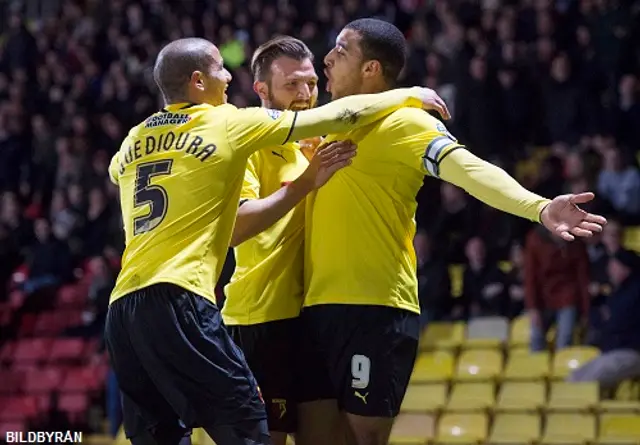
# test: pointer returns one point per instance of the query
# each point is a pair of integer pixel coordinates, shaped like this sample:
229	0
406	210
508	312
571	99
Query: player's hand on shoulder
328	159
563	217
309	146
431	101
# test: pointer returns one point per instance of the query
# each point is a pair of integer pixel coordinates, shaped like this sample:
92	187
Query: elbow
236	240
236	237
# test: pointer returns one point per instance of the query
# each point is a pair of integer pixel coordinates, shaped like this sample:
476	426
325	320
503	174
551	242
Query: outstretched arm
490	184
424	142
253	128
495	187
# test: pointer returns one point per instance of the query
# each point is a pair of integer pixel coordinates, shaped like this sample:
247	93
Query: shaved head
177	62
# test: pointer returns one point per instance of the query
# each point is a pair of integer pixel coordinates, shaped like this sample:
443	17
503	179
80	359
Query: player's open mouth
328	76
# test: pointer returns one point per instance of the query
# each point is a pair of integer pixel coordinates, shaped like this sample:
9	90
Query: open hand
563	217
431	101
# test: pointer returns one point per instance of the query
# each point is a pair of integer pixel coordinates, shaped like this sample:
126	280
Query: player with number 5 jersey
180	173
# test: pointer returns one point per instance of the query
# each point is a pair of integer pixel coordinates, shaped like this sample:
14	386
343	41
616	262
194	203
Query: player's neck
374	86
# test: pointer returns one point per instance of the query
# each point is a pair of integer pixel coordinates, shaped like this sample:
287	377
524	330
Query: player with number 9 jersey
180	173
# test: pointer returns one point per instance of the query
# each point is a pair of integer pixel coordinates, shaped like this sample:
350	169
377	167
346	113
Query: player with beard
264	295
361	311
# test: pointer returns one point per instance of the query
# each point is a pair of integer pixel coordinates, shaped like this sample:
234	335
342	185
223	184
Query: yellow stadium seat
565	429
520	335
529	366
479	365
412	429
461	428
433	367
442	336
568	359
566	396
486	333
471	397
456	272
619	406
425	398
511	429
628	390
619	429
521	396
631	238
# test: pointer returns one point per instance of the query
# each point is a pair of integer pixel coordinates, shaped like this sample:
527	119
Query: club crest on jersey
442	129
159	120
273	114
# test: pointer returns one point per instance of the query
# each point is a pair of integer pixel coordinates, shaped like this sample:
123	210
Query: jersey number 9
360	371
154	195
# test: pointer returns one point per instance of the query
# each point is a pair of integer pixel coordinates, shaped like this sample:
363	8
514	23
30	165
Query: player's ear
261	89
371	68
197	80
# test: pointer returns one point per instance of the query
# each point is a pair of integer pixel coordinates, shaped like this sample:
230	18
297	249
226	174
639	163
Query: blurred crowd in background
549	90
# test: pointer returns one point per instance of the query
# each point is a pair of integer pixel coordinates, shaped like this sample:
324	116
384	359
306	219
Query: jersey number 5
154	195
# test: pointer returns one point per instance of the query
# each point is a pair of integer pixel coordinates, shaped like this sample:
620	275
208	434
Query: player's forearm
257	215
349	113
491	185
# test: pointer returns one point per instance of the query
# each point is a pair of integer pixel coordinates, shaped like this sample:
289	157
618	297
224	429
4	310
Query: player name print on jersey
158	120
191	144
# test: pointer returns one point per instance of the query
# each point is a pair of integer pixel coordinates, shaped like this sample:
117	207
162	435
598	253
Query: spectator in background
63	220
96	231
599	285
619	340
9	259
562	99
102	281
434	284
11	217
454	224
619	182
48	259
627	112
483	283
515	282
556	286
478	119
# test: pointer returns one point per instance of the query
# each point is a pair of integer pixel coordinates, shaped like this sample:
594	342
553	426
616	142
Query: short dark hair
383	42
280	46
175	64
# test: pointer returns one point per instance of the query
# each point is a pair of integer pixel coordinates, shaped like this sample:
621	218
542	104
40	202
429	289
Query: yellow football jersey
180	173
360	225
268	280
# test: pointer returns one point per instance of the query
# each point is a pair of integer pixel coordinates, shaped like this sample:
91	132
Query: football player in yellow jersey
180	173
361	311
264	297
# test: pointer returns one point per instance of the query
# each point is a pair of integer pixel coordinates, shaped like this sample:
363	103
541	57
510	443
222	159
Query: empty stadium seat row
511	397
27	408
53	378
489	364
517	429
47	350
480	333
